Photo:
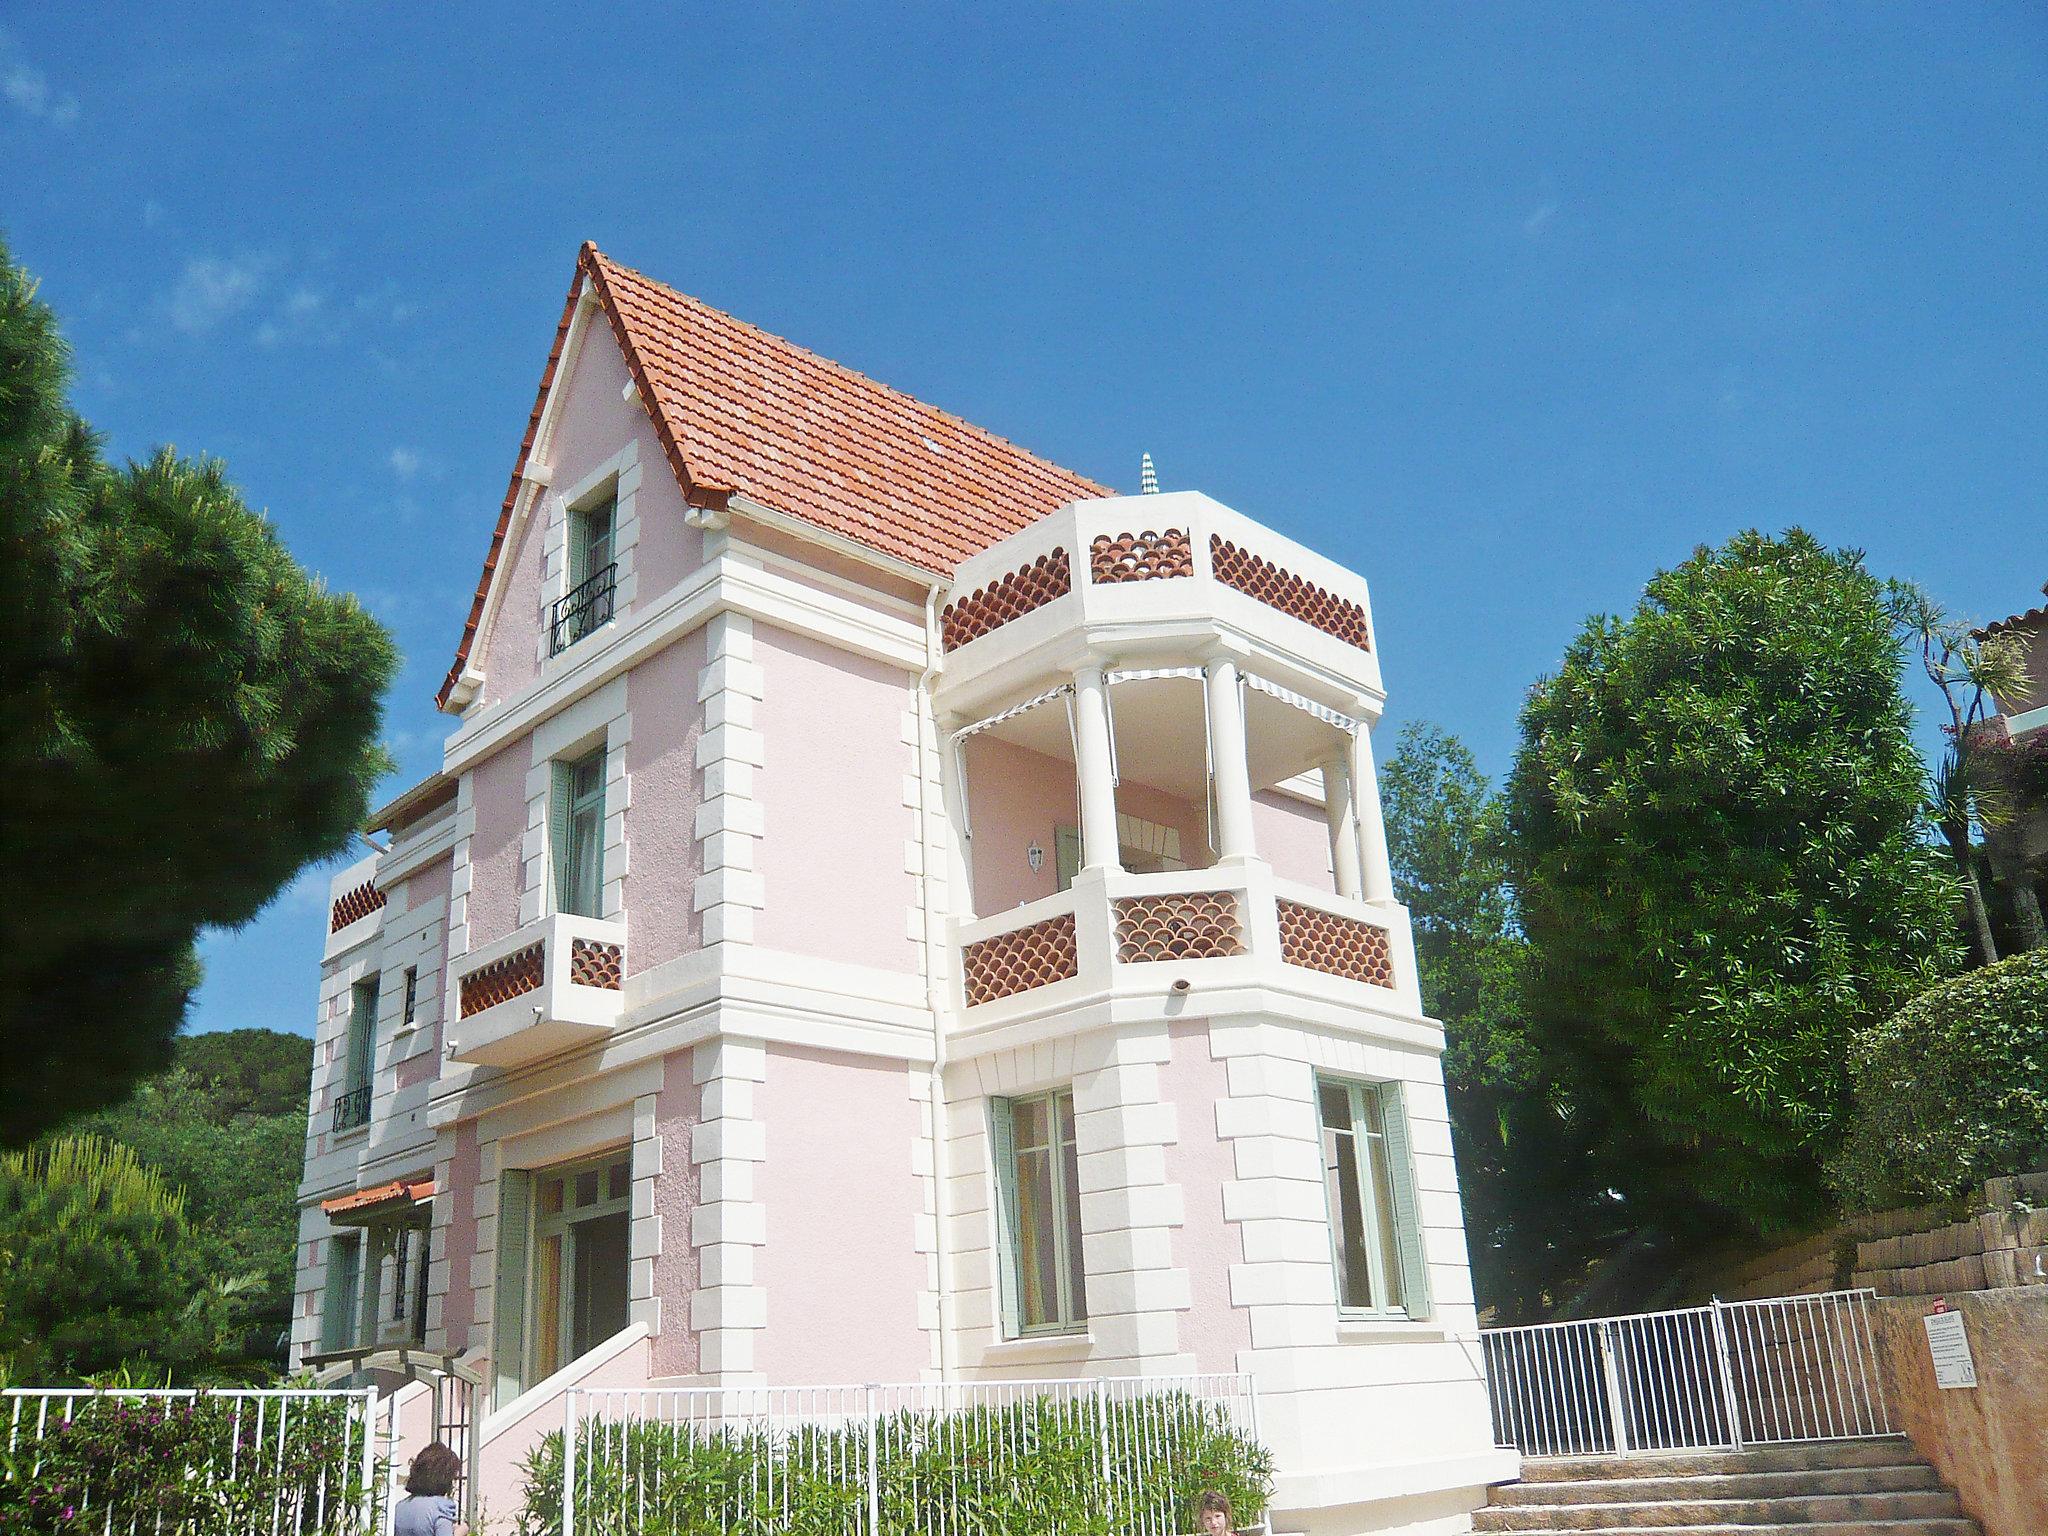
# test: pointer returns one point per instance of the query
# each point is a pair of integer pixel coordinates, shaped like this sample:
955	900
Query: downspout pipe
937	993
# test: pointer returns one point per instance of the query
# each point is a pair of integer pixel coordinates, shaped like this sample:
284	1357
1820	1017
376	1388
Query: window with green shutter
341	1305
1045	1288
508	1294
1368	1173
576	832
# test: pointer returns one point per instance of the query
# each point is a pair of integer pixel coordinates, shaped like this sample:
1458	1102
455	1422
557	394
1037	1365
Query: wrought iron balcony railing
583	608
352	1109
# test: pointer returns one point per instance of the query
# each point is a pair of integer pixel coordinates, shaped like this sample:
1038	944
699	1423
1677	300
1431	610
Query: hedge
1035	1468
1951	1090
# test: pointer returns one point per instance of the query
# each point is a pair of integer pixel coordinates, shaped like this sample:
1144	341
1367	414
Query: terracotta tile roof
398	1191
2033	618
741	411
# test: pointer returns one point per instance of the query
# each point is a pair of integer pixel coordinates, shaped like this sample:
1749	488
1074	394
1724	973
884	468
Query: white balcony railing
548	986
1226	924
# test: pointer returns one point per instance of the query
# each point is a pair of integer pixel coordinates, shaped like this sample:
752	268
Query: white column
1092	760
1229	774
1339	807
1376	876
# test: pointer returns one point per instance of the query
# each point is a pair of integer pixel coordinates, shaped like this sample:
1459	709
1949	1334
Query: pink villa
891	910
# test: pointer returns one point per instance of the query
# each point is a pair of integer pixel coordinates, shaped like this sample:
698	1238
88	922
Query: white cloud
30	93
211	290
404	463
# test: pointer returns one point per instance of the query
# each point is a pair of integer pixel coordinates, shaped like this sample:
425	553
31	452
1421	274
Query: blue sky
1506	306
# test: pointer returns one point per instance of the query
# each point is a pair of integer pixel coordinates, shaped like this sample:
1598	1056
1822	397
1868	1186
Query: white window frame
1070	1302
519	1261
1390	1146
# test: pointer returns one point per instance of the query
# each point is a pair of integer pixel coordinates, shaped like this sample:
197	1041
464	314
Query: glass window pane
1037	1256
1335	1100
618	1181
1347	1220
1070	1168
586	1188
547	1308
598	1294
1382	1197
551	1197
1029	1121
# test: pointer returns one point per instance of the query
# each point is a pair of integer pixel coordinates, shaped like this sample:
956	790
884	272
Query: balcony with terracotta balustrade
550	985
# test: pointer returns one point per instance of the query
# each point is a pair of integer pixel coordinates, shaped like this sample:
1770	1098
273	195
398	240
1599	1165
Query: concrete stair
1835	1488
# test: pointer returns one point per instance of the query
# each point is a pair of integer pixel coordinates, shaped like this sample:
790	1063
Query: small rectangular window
1375	1237
1039	1183
576	823
412	992
352	1101
339	1323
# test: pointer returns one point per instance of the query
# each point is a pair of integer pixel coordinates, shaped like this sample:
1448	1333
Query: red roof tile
739	410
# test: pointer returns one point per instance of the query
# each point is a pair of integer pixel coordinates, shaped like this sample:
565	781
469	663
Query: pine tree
186	720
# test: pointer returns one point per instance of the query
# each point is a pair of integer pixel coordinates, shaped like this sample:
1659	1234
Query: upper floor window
1367	1173
593	576
1038	1182
352	1103
576	829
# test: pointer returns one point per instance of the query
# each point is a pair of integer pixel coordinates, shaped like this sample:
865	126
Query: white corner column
1375	874
1092	764
1342	810
1229	774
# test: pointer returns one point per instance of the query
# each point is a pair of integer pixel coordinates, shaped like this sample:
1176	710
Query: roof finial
1148	477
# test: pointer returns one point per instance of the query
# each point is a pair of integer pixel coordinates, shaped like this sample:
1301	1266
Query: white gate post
874	1467
370	1457
1732	1404
1616	1409
569	1462
1102	1428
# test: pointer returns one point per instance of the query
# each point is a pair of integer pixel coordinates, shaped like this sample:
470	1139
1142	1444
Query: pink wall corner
661	822
677	1109
1206	1245
841	1267
1294	837
831	794
510	655
498	793
594	422
458	1239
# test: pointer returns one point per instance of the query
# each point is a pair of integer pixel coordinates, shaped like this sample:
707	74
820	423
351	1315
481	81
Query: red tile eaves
738	409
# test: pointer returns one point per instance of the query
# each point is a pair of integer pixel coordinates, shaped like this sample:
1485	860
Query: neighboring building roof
739	411
2033	618
429	795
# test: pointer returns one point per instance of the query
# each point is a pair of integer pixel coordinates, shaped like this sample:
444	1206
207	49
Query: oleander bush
1037	1468
1951	1090
180	1466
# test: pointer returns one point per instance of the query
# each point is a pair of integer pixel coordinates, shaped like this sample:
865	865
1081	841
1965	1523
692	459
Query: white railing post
370	1456
1616	1409
874	1463
569	1462
1731	1401
1102	1427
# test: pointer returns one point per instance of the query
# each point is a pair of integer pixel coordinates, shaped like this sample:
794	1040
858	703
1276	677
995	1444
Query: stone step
1891	1450
1905	1478
1822	1510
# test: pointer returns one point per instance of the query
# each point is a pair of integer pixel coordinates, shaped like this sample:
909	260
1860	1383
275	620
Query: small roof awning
380	1200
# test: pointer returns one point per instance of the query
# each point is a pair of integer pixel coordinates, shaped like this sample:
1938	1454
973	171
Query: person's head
434	1471
1215	1514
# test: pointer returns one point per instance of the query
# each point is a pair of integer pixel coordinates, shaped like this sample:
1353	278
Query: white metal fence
1717	1377
189	1463
935	1459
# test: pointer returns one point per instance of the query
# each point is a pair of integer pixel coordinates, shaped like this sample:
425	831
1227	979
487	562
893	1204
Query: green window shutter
338	1305
508	1298
1066	843
1407	1209
1003	1150
561	850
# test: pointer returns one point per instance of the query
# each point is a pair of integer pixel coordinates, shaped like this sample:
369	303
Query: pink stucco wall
595	422
676	1113
457	1239
831	796
498	790
840	1268
510	655
661	822
1294	838
1018	797
1206	1245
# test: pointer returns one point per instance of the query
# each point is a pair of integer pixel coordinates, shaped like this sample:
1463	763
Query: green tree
186	720
1534	1218
225	1126
1717	840
96	1270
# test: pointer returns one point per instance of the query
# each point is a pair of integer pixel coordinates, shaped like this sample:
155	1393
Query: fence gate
1717	1377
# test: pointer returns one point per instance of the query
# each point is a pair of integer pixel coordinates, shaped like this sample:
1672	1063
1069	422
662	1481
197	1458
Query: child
429	1511
1215	1514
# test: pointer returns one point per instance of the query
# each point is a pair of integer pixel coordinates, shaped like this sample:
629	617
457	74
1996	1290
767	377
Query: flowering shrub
1037	1468
183	1466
